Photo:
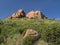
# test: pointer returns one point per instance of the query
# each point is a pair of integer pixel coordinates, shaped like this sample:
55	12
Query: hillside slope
12	31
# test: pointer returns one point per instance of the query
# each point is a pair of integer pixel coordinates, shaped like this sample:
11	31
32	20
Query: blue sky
51	8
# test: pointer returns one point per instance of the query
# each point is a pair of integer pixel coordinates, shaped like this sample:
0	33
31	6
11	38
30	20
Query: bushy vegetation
11	29
27	40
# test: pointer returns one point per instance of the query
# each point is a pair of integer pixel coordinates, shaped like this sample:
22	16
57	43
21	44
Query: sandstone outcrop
19	14
36	14
32	14
33	33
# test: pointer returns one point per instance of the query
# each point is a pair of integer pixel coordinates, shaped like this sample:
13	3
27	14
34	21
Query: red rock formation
36	14
19	14
32	14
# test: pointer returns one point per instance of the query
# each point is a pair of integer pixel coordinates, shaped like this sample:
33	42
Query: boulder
19	14
36	14
33	33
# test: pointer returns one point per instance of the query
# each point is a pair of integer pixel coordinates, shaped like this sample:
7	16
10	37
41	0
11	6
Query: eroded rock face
19	14
31	14
36	14
32	32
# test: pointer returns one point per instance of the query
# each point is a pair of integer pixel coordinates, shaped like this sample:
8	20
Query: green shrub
48	29
27	40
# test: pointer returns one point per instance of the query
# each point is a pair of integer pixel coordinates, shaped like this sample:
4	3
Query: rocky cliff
32	14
